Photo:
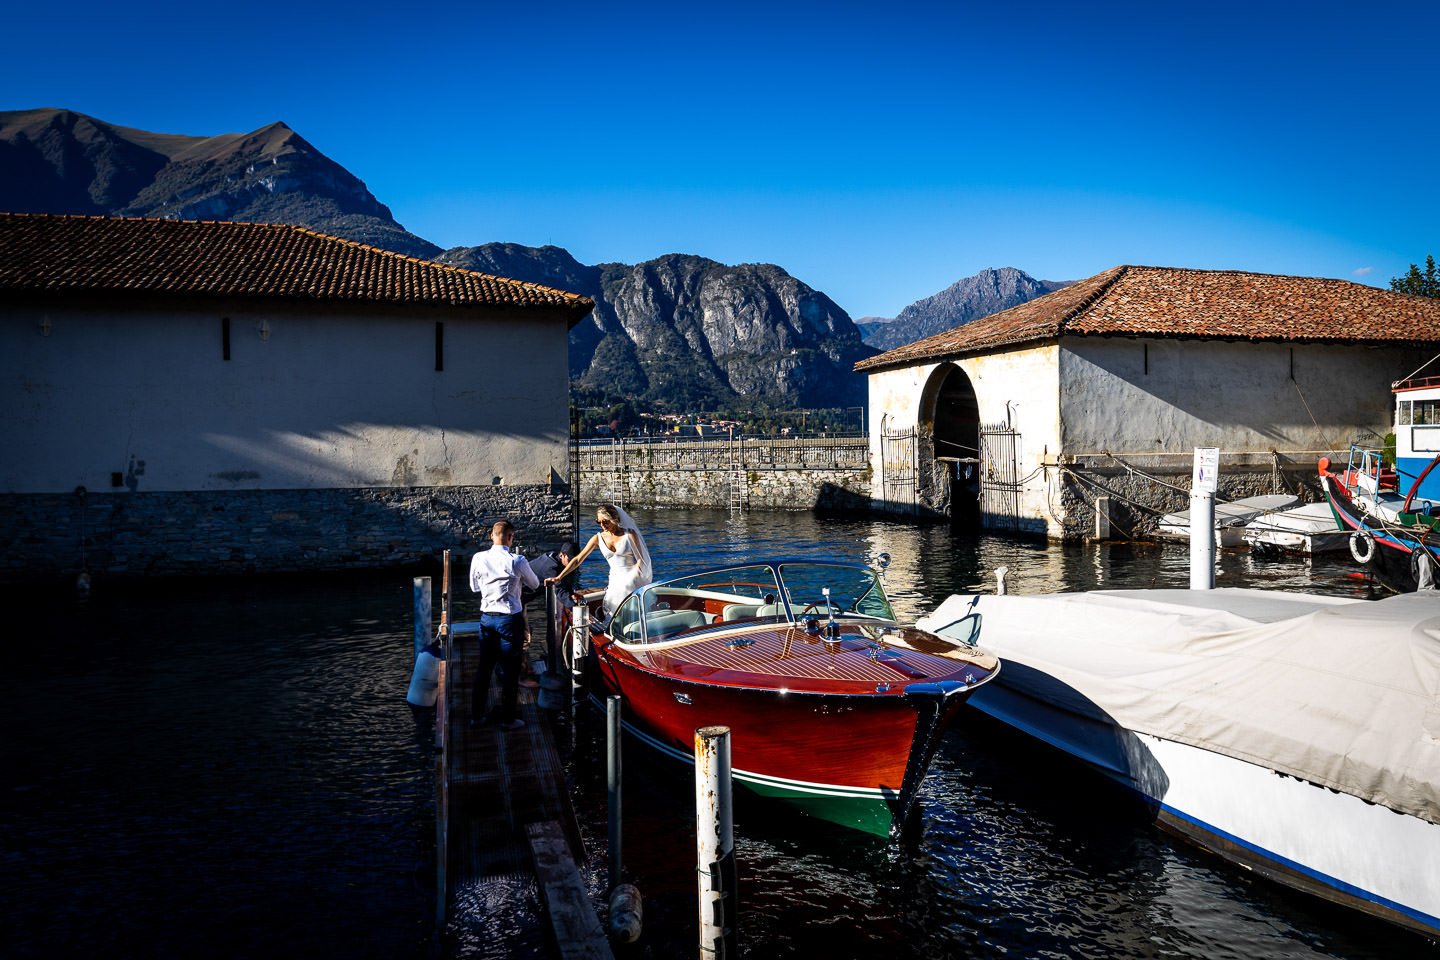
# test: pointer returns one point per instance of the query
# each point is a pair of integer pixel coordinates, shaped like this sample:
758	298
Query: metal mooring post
612	779
1204	483
715	844
422	613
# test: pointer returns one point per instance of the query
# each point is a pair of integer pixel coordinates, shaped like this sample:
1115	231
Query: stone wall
53	536
814	473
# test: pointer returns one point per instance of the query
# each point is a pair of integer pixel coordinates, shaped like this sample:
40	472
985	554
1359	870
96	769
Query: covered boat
1230	517
1307	529
831	703
1294	734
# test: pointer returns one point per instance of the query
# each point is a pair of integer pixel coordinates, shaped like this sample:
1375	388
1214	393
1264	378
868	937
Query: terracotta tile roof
40	253
1170	302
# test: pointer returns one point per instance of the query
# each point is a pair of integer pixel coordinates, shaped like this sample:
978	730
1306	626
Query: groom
497	575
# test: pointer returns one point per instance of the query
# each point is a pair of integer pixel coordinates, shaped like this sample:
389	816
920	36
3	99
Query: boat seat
659	625
739	611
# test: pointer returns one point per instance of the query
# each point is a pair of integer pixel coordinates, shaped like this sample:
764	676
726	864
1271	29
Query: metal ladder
738	482
617	473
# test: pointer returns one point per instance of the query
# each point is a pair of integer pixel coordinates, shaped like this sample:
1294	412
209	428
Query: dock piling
715	844
612	779
1205	482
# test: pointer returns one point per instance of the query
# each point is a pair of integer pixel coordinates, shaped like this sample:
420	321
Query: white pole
422	613
1202	518
715	844
579	641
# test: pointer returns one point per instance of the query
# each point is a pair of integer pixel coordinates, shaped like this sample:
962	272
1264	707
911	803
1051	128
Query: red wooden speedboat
831	704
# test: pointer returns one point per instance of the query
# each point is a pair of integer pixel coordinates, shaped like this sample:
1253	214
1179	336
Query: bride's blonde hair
611	514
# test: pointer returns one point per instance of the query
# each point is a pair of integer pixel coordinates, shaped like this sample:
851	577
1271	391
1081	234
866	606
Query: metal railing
723	454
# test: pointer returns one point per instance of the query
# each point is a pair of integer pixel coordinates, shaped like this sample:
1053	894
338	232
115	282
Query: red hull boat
831	704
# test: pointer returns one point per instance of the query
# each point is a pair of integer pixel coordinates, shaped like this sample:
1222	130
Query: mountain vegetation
682	332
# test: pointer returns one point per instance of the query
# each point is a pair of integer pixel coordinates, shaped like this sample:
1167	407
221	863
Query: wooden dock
503	807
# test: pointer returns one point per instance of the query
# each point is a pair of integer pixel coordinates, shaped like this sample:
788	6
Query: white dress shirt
496	574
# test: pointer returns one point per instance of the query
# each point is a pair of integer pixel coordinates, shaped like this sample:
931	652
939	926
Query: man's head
567	551
502	533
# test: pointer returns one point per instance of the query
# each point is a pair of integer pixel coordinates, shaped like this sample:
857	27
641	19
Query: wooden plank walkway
499	783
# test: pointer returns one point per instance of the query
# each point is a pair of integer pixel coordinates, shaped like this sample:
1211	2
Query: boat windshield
661	610
853	591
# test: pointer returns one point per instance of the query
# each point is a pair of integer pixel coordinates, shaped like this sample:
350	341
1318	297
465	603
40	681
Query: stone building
1076	414
214	398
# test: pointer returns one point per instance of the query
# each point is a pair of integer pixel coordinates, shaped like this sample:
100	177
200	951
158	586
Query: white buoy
1000	580
425	680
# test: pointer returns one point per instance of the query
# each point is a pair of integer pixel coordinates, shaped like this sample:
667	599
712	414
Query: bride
623	547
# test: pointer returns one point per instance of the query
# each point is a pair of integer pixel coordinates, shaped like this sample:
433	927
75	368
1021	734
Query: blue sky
879	152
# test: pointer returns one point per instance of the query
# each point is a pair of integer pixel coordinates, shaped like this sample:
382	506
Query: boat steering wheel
839	607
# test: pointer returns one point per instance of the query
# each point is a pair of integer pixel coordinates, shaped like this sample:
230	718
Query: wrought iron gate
999	477
897	468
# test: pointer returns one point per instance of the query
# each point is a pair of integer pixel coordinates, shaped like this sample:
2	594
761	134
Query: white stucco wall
1236	396
1026	380
335	398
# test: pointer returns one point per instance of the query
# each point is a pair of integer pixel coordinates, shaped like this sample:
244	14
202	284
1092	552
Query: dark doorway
957	442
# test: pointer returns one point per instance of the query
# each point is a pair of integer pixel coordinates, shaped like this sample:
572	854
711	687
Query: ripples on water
230	769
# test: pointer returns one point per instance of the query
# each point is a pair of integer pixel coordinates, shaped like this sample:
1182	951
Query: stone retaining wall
266	531
1140	495
764	488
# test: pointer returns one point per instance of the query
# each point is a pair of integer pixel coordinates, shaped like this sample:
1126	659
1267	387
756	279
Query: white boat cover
1340	692
1230	513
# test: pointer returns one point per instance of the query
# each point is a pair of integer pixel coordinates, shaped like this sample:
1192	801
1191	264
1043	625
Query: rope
1129	533
1422	367
1329	444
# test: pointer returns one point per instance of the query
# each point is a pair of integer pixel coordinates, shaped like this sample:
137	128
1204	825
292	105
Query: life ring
1362	547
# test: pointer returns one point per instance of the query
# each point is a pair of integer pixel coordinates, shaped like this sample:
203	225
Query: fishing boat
832	705
1308	529
1393	536
1291	734
1230	518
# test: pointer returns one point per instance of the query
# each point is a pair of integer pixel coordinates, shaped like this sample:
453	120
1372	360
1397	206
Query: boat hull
1394	557
1334	845
854	760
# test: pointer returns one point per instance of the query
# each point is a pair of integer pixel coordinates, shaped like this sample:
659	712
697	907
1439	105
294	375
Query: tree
1425	284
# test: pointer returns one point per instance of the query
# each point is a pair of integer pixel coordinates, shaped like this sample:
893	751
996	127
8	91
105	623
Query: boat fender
625	913
1362	546
425	680
1422	566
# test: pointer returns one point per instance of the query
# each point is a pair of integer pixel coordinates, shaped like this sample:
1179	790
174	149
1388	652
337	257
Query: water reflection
230	767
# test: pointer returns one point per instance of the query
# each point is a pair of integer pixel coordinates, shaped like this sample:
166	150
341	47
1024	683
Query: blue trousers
502	641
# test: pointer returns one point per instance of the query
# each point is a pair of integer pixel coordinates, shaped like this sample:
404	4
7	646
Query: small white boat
1292	734
1230	518
1308	529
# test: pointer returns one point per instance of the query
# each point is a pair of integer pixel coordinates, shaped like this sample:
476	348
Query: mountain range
679	332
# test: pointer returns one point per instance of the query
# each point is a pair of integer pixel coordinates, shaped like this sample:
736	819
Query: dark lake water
229	768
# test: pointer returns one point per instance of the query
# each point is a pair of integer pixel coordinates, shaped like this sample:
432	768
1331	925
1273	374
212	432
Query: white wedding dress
629	568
